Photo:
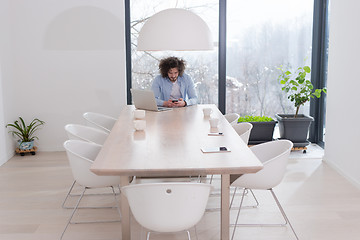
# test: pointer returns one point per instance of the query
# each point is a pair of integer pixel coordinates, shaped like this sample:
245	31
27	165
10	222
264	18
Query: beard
173	79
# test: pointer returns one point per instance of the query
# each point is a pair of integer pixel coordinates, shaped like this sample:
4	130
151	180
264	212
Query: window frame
319	69
319	62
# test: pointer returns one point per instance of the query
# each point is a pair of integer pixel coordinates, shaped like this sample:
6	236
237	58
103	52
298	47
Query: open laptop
145	99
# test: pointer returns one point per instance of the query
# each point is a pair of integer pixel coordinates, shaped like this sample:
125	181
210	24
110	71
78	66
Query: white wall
55	66
342	127
68	58
6	70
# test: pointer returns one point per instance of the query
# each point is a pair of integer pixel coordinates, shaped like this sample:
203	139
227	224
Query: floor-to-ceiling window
261	35
202	66
320	51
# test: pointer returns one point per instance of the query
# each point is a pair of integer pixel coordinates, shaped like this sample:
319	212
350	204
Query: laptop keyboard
163	109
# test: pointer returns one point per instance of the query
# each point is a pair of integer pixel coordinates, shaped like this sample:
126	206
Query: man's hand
180	103
168	103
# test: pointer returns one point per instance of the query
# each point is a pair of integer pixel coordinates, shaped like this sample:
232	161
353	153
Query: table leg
225	212
125	211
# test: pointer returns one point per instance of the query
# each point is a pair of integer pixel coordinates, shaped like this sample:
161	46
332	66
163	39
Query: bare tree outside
270	34
202	66
261	36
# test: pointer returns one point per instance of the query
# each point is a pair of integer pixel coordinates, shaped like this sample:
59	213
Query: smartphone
215	149
216	134
175	100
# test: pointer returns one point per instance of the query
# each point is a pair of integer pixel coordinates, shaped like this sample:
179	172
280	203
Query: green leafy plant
255	119
23	131
298	88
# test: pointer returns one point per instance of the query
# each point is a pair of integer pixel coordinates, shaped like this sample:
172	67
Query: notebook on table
145	99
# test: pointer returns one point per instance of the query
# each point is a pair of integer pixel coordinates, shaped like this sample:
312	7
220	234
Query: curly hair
171	62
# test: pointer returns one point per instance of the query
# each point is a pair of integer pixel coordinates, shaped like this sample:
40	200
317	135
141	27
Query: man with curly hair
173	88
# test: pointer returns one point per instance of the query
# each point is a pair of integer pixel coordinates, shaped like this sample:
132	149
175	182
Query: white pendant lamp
175	29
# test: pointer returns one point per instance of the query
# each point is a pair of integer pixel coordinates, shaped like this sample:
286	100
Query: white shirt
175	91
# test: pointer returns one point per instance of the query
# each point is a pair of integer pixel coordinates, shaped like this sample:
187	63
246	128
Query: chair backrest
86	133
274	155
167	207
232	117
81	155
244	130
99	120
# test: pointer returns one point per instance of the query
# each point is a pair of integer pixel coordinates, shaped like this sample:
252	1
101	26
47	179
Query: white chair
243	129
232	117
81	155
274	156
84	133
167	207
99	120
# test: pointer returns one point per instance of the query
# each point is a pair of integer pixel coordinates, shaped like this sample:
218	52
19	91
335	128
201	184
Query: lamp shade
175	29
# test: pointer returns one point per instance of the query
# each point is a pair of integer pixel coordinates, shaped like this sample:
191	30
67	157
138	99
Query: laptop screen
144	99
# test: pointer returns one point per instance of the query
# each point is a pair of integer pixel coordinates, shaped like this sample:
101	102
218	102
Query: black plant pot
294	129
261	132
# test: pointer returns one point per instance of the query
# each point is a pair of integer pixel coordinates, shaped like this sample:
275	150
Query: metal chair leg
68	194
283	213
246	192
77	207
231	202
257	202
73	212
211	178
237	217
188	234
102	221
263	225
233	196
196	235
116	200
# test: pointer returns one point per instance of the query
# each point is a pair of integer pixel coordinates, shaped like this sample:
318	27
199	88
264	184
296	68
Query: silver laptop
145	99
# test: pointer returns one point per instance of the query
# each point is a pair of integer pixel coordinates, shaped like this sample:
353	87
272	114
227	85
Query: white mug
207	112
139	114
214	122
139	125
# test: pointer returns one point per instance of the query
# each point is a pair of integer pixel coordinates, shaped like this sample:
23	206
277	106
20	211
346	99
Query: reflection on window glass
202	66
261	36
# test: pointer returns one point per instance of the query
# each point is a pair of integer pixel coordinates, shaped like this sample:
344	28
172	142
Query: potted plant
25	133
300	90
263	128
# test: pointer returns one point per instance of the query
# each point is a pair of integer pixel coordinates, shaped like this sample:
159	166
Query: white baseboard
342	173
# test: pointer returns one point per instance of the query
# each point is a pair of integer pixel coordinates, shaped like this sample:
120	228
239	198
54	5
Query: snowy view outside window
261	36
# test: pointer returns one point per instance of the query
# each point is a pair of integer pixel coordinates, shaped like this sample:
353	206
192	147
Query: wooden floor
319	202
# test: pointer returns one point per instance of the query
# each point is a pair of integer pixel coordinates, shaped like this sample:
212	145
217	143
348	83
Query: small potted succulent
300	90
24	132
263	128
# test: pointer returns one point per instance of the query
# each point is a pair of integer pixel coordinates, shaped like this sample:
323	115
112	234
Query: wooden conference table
171	146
